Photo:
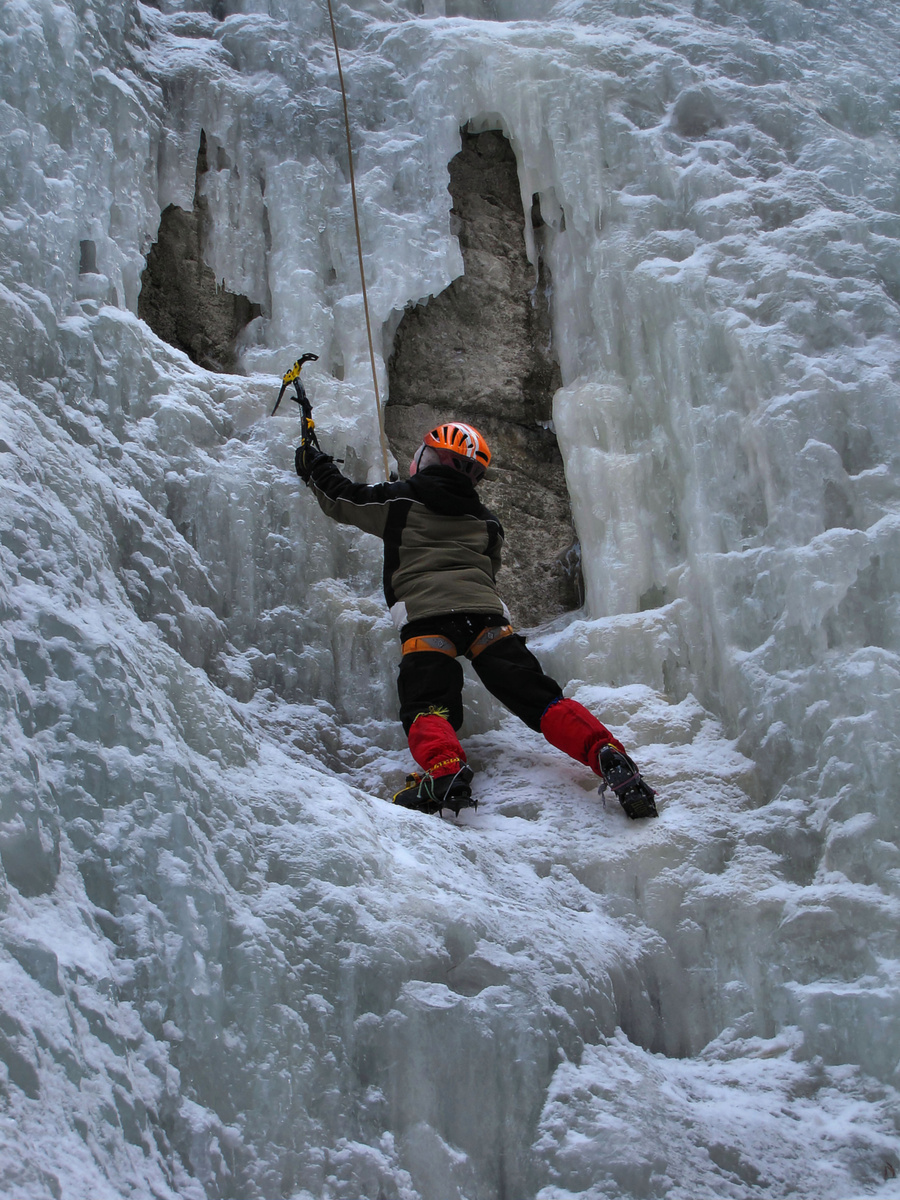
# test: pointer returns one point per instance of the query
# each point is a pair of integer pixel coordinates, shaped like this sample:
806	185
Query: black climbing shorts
506	667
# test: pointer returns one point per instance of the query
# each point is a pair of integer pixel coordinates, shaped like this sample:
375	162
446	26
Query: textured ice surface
228	968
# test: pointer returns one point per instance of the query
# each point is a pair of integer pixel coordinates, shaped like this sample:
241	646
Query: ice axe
293	377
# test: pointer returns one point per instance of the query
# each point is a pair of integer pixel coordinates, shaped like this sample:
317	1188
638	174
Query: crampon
432	794
621	775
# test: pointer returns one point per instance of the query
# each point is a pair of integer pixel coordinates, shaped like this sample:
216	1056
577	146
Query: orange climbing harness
487	637
434	642
437	643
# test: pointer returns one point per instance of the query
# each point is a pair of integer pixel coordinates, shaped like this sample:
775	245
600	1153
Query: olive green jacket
441	545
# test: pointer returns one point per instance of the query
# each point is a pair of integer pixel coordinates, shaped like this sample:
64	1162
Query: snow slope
228	968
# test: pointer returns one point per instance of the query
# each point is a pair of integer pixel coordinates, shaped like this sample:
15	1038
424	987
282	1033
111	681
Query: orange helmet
464	440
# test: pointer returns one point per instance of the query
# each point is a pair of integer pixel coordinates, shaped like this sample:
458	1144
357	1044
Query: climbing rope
362	273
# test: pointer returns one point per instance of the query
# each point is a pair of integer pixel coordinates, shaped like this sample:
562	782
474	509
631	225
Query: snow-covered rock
228	967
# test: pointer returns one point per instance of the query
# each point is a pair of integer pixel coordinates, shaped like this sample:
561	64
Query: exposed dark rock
88	258
695	113
29	846
180	298
481	351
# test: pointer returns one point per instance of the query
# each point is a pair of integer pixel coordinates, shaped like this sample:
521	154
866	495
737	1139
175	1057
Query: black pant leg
429	679
511	672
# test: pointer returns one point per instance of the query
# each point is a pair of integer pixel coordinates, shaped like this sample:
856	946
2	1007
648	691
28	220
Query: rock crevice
482	351
180	298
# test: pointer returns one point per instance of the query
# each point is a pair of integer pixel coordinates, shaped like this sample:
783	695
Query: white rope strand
362	273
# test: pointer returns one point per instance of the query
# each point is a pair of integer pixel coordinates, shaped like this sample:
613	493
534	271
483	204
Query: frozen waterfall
227	967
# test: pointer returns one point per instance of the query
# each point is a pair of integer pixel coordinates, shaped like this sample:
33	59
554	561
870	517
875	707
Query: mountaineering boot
621	774
432	794
408	796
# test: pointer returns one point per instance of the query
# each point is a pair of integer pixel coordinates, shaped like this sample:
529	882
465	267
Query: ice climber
441	557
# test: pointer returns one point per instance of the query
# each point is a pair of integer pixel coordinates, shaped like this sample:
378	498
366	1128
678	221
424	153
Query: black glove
306	457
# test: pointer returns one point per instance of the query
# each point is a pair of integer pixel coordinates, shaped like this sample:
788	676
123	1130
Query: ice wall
229	969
